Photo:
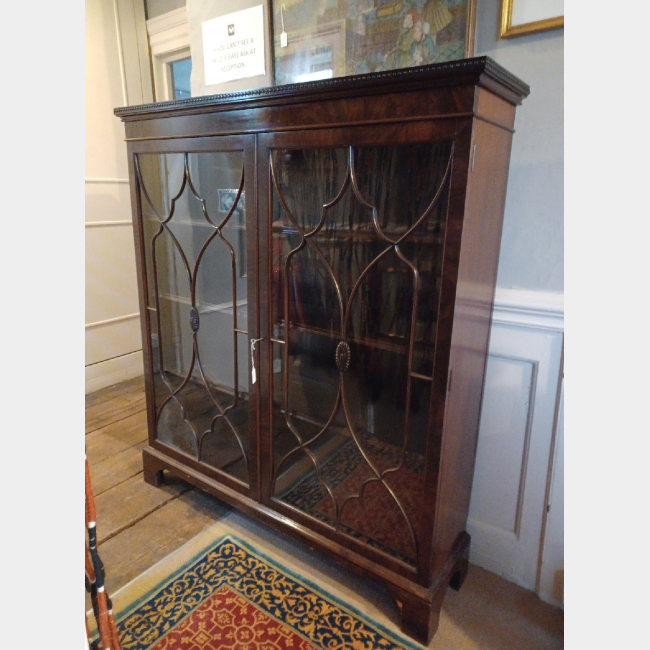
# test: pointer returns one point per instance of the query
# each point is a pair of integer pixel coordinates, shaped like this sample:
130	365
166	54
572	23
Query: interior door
355	238
196	234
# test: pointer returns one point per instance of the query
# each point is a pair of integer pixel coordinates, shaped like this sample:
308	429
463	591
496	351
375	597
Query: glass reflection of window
181	72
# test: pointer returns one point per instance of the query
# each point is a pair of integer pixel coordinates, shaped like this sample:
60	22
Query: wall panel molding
539	309
168	21
133	51
108	321
95	224
516	436
551	579
112	339
169	40
107	181
120	53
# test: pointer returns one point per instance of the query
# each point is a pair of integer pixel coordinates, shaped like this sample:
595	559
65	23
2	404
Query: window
180	74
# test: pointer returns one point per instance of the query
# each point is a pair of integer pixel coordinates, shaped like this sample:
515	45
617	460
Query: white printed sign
233	46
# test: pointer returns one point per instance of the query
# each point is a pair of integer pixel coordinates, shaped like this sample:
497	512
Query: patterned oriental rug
232	596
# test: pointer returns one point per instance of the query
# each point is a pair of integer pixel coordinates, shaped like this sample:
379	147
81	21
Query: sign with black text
233	46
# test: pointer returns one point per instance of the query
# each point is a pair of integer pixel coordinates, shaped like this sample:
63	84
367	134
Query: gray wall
532	247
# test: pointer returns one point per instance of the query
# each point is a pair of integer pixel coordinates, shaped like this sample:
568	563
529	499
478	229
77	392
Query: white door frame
169	40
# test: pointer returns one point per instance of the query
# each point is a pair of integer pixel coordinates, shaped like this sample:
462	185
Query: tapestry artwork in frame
320	39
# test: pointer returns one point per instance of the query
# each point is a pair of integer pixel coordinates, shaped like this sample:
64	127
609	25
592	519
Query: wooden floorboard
117	468
153	538
132	501
129	388
120	412
116	437
114	403
137	524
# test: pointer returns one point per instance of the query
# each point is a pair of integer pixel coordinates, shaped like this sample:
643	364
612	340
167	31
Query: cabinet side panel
485	201
492	108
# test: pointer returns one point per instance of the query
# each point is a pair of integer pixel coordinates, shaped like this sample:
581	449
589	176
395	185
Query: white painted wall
113	342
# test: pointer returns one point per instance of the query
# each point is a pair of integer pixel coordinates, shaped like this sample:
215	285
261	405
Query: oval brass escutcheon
343	356
194	319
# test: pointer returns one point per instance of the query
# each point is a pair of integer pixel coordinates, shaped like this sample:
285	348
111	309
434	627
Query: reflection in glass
181	73
357	246
193	214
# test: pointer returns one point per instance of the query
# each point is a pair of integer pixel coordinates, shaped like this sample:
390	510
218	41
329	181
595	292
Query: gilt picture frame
320	39
521	17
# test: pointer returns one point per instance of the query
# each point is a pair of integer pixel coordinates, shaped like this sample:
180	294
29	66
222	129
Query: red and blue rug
230	596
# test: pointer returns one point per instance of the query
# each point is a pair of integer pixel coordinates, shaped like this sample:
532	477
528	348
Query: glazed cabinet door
197	237
355	233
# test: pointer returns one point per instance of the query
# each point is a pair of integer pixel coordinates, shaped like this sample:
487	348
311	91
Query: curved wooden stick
102	606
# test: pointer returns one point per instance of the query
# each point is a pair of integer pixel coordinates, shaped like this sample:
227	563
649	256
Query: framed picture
319	39
519	17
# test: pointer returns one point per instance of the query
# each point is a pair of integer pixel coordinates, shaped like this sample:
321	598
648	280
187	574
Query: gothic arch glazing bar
357	239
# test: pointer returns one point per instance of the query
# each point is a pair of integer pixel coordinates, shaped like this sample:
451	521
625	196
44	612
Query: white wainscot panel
109	372
503	443
108	200
111	287
113	339
514	451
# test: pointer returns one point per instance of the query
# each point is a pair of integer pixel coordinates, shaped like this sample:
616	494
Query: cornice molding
481	70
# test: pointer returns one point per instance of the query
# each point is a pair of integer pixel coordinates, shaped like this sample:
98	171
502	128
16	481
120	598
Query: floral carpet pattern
231	598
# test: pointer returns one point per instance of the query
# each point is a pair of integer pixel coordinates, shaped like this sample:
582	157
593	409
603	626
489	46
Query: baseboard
109	372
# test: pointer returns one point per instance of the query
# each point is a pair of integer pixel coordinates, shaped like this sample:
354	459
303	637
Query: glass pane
357	257
194	228
181	74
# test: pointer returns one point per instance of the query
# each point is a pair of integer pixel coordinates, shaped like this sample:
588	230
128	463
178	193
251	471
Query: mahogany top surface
480	71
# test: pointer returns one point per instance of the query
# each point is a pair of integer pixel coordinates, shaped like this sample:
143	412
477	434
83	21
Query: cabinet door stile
254	331
443	340
265	283
196	241
357	220
145	321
